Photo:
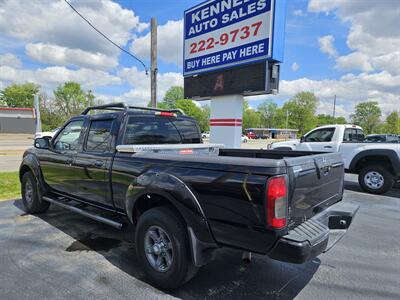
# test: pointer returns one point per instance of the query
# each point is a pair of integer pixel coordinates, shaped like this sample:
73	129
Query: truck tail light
276	202
165	114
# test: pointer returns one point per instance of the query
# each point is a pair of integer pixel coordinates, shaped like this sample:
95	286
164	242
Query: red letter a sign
219	84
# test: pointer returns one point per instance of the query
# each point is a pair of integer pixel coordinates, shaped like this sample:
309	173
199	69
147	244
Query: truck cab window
353	135
150	130
99	137
320	135
67	139
360	135
188	130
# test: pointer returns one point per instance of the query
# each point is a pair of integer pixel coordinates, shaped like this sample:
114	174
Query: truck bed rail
198	149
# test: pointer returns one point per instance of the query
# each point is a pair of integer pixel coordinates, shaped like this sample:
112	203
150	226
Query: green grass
9	186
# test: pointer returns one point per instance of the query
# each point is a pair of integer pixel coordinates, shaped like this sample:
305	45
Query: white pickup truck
377	164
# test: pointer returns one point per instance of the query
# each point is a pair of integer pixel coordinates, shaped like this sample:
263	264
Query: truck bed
231	185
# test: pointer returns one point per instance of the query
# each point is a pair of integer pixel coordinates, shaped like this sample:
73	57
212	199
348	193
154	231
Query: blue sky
331	47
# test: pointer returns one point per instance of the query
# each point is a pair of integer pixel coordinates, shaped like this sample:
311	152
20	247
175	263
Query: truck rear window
151	130
188	130
161	130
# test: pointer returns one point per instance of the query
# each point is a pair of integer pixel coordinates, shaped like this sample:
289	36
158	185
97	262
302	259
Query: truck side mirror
302	139
42	143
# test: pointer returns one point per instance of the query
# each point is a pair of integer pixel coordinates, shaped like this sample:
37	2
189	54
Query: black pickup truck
186	199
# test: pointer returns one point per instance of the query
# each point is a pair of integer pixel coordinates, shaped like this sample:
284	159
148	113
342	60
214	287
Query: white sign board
224	33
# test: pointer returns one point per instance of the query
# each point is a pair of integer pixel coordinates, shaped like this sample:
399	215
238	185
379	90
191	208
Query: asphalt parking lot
12	146
60	255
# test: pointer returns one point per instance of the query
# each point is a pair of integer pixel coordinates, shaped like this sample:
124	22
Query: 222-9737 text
225	38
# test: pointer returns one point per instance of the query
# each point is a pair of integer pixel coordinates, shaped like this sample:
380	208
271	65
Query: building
17	120
273	133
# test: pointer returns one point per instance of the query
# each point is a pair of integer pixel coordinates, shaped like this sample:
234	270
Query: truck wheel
162	246
31	196
375	179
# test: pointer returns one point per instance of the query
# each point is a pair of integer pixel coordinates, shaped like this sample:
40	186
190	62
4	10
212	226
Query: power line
107	38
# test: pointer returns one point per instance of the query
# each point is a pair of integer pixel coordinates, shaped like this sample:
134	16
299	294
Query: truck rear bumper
316	235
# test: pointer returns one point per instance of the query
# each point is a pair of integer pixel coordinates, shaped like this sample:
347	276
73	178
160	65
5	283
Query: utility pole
287	120
37	113
334	106
153	58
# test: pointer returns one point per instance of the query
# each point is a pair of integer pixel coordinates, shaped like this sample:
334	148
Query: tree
392	124
191	109
70	99
205	121
49	114
301	109
173	94
269	112
174	99
251	118
19	95
323	119
367	115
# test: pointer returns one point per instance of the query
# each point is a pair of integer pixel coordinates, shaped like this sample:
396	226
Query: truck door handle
98	163
328	147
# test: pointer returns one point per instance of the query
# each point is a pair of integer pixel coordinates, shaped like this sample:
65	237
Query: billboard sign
253	79
226	33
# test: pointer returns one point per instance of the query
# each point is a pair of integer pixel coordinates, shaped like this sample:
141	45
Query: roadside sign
226	33
252	79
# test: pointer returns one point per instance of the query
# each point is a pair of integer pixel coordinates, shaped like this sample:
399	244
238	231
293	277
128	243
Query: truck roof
341	125
121	106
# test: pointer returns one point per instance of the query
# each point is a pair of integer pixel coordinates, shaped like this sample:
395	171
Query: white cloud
9	59
140	83
374	41
374	31
299	13
169	43
354	61
295	67
53	54
50	77
350	89
54	23
389	62
326	45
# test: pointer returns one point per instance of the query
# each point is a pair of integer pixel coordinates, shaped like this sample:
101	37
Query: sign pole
226	120
37	113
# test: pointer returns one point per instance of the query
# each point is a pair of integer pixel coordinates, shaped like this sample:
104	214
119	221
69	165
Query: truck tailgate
316	182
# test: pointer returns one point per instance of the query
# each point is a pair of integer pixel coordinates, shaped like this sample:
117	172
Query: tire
375	179
31	197
180	268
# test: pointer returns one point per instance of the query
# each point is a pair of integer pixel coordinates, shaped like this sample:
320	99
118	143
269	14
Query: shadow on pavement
355	187
227	277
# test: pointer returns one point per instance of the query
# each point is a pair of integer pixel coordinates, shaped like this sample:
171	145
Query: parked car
251	135
50	133
244	138
186	199
205	135
377	164
382	138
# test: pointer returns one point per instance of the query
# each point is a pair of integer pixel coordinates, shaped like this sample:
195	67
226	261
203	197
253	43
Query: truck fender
31	163
390	154
184	200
